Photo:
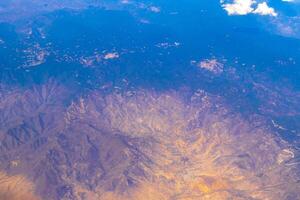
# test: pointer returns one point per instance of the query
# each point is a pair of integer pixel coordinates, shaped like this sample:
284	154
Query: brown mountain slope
141	145
16	188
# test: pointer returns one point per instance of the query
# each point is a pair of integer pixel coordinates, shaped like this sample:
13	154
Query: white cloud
154	9
264	9
239	7
244	7
109	56
292	1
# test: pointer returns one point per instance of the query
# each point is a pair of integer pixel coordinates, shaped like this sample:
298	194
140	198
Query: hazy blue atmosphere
150	99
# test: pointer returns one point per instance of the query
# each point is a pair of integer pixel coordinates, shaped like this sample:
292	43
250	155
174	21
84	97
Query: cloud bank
244	7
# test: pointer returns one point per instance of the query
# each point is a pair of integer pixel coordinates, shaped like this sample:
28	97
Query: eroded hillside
141	145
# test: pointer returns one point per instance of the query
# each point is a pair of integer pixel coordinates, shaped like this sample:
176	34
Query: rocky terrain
149	100
140	144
